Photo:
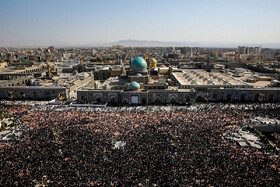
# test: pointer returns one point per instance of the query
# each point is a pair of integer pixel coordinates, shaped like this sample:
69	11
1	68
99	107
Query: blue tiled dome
139	63
134	86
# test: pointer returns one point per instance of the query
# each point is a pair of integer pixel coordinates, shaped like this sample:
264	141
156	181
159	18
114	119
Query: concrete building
195	78
245	94
32	92
241	50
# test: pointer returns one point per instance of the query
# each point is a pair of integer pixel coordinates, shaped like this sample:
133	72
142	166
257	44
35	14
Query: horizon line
63	44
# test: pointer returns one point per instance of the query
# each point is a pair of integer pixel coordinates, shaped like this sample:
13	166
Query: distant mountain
149	43
133	43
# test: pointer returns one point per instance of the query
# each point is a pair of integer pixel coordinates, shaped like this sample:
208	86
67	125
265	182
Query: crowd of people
162	148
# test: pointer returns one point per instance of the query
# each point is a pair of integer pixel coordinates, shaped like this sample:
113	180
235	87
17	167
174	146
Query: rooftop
198	77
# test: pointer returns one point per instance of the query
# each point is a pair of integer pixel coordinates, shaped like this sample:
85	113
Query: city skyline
89	23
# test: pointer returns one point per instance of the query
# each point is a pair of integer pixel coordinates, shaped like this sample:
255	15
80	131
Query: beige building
197	78
32	92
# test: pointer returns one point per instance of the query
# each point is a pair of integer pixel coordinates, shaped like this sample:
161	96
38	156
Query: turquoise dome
134	86
139	63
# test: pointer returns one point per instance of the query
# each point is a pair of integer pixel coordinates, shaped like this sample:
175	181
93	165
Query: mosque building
137	85
141	84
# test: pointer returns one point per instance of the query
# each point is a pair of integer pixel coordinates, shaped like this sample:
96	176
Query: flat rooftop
15	70
198	77
257	84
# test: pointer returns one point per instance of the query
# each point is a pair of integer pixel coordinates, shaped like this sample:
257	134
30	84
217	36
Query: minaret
49	68
80	59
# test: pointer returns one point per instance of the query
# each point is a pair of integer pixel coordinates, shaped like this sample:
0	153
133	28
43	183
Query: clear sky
90	21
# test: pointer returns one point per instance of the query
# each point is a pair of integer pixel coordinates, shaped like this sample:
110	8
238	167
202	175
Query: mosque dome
134	86
153	60
139	63
139	74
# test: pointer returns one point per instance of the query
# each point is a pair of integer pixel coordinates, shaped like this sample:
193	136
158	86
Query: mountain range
134	43
149	43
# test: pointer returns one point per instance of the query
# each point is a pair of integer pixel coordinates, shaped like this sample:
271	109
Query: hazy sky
89	21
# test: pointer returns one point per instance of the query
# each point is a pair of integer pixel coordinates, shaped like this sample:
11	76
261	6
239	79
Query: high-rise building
258	50
185	50
250	50
241	50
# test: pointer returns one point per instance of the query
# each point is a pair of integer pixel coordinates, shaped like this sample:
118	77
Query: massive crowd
163	148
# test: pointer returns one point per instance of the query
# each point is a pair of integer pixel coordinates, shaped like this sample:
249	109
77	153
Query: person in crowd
162	148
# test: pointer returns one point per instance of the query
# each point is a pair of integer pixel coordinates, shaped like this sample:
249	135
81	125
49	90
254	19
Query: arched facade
180	96
173	99
98	98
